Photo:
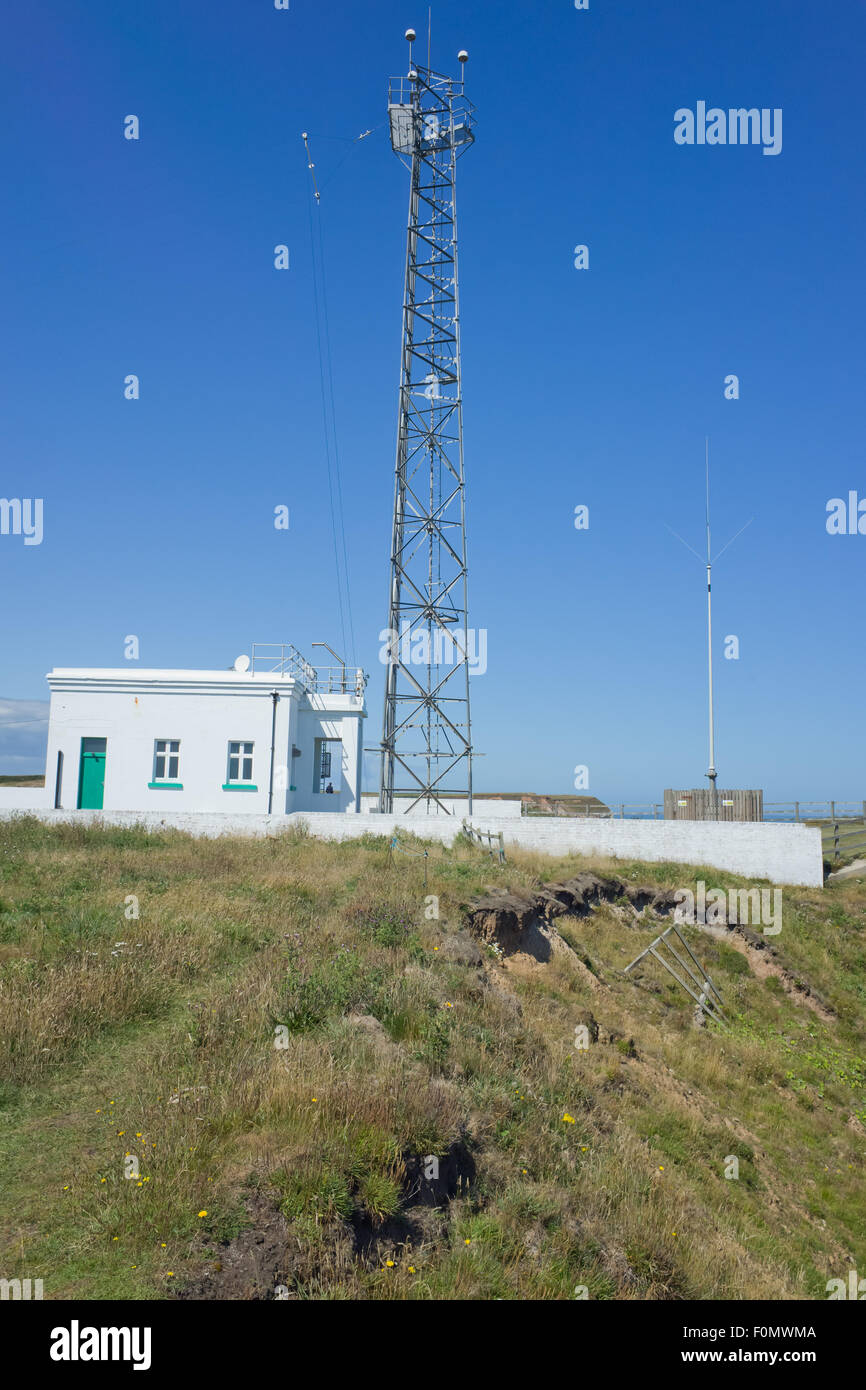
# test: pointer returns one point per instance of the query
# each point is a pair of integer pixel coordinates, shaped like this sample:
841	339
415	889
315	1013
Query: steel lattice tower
426	746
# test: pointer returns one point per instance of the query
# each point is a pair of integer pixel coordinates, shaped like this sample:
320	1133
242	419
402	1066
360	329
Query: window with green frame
166	763
239	776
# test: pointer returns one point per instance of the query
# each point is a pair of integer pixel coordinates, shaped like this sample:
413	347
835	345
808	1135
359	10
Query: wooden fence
495	840
702	803
838	838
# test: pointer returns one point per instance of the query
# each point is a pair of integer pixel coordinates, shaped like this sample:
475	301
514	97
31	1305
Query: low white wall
755	850
782	853
456	807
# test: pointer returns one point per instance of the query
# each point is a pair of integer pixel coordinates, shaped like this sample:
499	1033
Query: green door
91	778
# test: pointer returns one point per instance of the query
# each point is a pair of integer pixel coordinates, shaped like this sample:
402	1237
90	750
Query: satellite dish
242	663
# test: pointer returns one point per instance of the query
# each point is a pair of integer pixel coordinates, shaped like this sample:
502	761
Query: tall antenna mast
426	748
711	773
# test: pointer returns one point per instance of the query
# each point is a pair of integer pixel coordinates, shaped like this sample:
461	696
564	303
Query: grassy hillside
285	1035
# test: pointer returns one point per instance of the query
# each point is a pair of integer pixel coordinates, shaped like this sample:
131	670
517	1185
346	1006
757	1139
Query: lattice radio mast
426	746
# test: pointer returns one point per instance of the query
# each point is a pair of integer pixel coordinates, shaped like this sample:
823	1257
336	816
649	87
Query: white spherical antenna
463	56
242	663
411	35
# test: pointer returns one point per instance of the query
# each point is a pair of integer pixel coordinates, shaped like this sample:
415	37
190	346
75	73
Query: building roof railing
283	659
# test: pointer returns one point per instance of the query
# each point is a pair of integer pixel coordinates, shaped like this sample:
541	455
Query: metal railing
619	810
700	987
282	659
814	810
811	812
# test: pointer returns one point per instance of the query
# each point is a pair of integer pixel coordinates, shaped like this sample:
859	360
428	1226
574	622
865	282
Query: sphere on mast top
463	56
411	35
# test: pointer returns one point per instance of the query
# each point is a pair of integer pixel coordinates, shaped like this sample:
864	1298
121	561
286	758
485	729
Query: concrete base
855	870
781	853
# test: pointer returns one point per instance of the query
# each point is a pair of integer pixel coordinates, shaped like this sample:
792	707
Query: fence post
836	840
622	810
796	810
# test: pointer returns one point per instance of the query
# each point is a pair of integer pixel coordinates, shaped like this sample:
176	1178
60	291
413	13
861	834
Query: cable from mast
329	419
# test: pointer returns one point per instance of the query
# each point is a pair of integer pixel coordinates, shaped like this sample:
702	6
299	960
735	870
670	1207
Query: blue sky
155	257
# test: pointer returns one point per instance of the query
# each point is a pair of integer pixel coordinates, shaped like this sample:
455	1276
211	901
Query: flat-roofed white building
271	735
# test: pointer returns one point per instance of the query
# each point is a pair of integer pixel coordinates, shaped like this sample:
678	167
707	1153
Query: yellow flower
120	1133
138	1136
170	1274
138	1184
66	1188
390	1264
202	1213
315	1100
115	1237
99	1112
467	1242
162	1244
412	1267
568	1119
103	1180
449	1006
661	1167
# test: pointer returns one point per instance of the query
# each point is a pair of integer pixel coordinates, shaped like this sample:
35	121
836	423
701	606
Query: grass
199	1014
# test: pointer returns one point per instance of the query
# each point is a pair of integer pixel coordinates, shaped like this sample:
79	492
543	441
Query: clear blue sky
155	257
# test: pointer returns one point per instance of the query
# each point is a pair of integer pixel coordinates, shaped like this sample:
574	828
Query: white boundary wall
782	853
500	810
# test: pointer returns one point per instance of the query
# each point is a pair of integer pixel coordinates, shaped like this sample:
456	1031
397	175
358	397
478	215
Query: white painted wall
781	853
204	710
456	807
24	798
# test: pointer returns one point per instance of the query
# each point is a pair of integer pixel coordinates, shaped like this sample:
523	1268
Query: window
240	762
166	760
327	765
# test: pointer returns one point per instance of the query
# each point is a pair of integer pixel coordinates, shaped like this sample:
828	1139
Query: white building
273	735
